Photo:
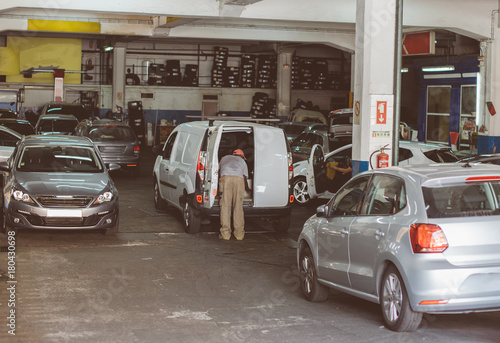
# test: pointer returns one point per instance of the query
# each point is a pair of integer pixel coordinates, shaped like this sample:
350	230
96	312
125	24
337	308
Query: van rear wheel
192	222
160	203
281	224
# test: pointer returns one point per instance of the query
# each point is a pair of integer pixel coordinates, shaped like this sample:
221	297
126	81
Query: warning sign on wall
381	112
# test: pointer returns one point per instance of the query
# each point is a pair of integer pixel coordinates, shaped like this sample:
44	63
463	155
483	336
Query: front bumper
23	216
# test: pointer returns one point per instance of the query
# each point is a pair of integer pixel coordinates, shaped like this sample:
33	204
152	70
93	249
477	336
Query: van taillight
290	166
427	238
137	149
202	162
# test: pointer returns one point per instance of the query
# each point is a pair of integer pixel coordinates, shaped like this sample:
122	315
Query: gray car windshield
59	159
464	200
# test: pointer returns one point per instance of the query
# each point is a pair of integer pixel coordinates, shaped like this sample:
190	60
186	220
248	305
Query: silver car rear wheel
396	309
300	191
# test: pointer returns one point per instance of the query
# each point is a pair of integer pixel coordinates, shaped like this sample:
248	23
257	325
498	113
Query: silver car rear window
463	200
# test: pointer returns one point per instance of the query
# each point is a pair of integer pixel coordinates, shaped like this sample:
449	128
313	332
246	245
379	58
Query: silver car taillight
427	238
290	166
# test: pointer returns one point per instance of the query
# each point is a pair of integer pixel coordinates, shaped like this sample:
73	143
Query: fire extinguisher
382	158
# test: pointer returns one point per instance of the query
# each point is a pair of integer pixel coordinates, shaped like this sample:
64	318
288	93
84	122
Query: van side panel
270	184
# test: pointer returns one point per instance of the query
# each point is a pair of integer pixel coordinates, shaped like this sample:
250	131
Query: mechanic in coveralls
233	181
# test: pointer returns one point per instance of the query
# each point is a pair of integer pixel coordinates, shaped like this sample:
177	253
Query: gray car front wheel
311	288
396	309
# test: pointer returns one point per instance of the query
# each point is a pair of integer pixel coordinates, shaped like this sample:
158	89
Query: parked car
341	116
116	141
58	182
7	113
338	136
78	110
186	170
8	141
482	158
295	128
414	239
56	124
21	126
312	179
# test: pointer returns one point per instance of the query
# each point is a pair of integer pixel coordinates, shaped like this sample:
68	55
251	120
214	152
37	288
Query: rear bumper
129	161
248	209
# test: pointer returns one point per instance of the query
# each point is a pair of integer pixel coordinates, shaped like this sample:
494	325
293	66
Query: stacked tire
306	74
190	78
266	75
173	75
248	70
259	102
232	77
221	55
320	74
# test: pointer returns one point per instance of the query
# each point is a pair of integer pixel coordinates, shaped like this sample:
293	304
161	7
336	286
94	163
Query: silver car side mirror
322	211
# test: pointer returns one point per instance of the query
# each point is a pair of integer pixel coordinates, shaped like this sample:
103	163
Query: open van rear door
316	172
212	170
271	179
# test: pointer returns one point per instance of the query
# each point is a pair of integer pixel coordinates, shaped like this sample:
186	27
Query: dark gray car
116	141
58	182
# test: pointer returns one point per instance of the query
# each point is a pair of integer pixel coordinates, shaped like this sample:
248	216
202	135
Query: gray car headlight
21	196
104	197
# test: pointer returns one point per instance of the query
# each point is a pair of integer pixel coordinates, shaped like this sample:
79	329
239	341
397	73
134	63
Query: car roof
203	124
58	116
435	174
56	140
14	120
341	111
422	145
412	145
9	130
106	122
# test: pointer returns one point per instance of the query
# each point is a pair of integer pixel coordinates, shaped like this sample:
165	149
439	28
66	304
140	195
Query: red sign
420	43
381	112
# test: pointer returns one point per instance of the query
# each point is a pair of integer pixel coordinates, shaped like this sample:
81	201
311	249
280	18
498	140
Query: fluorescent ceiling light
404	70
438	68
108	48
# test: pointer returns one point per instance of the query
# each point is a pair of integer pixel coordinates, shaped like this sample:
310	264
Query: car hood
84	184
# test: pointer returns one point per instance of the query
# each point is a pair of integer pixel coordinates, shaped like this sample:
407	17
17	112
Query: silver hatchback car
414	239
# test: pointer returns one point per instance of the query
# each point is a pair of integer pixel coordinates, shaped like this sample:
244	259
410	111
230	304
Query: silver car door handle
379	234
344	232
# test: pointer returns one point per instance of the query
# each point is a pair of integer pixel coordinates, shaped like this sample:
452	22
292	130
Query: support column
489	141
119	58
284	84
373	81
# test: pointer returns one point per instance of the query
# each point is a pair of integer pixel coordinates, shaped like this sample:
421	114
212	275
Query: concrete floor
154	283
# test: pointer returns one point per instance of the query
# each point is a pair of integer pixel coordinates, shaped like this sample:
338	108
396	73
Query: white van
186	170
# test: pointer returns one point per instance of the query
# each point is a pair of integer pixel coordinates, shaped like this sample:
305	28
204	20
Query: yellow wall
23	53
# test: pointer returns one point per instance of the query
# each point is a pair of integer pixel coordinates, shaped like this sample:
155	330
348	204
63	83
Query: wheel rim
392	297
300	192
186	214
156	193
307	274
